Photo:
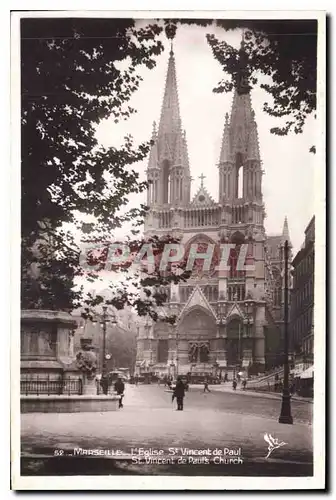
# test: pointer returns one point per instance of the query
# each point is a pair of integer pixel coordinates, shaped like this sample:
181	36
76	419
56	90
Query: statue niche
199	352
198	325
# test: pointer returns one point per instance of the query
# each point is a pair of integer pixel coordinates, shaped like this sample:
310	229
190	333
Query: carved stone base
89	387
46	343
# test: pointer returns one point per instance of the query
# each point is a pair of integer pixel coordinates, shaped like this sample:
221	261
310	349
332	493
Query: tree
76	72
121	344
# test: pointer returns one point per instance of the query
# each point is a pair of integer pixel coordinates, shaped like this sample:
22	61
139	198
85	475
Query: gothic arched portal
198	324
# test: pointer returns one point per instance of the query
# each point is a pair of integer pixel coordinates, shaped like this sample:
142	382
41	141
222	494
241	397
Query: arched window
237	239
240	182
239	176
166	182
277	292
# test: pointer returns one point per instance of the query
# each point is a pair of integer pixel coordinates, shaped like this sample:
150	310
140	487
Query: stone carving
45	343
199	352
37	341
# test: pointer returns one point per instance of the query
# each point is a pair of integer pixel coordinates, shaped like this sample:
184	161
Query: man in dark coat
104	384
119	387
179	393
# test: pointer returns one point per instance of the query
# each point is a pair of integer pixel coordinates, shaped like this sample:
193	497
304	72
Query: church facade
227	320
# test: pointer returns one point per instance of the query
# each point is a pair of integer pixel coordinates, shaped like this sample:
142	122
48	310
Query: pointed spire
185	152
179	151
171	141
285	232
170	120
154	131
253	142
242	76
153	155
225	150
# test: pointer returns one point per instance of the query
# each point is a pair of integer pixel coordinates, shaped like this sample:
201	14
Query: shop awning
309	373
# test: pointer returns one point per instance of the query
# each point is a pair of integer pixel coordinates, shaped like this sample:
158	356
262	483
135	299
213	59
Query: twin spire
240	132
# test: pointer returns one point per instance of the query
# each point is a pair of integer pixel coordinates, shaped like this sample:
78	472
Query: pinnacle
154	131
285	232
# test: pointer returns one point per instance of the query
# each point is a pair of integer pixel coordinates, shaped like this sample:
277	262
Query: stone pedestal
89	386
47	344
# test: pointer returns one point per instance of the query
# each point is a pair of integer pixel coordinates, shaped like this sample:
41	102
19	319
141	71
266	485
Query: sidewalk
254	392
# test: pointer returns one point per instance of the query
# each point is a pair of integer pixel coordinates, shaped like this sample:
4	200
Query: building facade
302	299
226	319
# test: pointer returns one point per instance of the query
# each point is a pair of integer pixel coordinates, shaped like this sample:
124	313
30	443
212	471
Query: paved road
148	420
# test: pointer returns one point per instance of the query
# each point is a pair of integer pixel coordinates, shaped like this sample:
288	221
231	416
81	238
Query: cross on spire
202	177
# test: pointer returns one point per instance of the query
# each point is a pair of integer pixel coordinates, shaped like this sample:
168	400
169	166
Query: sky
288	182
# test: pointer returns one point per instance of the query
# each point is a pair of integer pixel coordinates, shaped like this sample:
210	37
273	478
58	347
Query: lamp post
221	340
105	319
285	415
149	362
249	311
177	359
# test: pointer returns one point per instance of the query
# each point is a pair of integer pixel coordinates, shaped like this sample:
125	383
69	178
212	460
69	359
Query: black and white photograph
170	329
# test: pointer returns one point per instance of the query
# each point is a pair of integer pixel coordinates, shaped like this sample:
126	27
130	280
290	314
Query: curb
267	395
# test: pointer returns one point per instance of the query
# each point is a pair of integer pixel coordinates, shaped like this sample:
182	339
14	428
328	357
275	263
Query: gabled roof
197	298
235	311
202	198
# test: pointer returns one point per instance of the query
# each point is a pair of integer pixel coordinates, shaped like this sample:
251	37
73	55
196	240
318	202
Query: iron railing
47	386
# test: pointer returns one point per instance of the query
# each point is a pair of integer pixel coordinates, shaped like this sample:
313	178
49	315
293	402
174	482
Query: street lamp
249	312
285	415
177	359
105	319
147	328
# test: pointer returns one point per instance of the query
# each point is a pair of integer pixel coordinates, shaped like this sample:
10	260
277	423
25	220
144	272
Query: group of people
119	387
235	383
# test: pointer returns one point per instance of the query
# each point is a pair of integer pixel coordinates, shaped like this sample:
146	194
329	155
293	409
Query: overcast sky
289	167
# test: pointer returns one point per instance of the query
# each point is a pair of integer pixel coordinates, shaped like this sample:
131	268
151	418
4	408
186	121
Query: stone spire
170	121
240	145
185	152
253	152
225	149
242	117
153	155
172	153
285	233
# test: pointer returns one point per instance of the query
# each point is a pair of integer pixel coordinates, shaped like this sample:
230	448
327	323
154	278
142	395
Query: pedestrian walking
244	384
226	377
136	379
104	384
119	388
206	386
179	393
234	384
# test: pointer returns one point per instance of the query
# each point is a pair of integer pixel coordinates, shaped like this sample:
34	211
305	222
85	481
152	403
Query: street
148	425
